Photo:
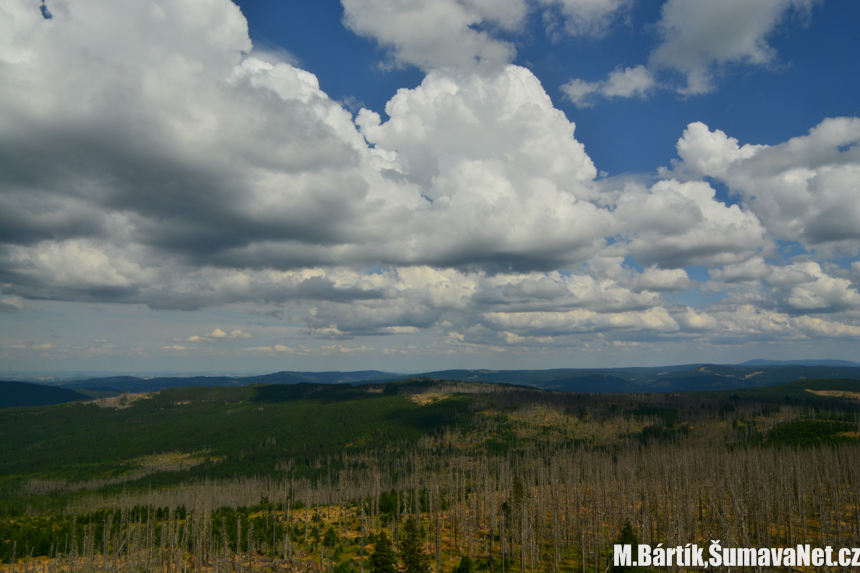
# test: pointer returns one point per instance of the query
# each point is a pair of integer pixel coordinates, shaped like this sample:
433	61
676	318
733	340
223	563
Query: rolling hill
17	394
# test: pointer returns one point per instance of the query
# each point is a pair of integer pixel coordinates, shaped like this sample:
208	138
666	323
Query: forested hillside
299	477
18	394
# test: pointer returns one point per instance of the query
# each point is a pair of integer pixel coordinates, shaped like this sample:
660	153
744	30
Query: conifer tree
465	565
411	552
383	558
627	537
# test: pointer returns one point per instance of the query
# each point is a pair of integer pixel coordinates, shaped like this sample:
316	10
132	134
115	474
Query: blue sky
809	78
196	186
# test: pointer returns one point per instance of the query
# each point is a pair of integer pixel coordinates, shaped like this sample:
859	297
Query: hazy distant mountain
682	378
324	377
678	378
835	363
135	384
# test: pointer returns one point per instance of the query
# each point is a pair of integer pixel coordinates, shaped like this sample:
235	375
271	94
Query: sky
196	186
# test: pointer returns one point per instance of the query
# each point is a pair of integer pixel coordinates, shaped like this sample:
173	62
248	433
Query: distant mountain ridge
681	378
677	378
135	384
836	363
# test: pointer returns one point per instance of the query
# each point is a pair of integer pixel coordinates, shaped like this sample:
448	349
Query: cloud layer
148	156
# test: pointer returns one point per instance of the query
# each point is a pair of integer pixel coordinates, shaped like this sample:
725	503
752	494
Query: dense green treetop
383	558
411	550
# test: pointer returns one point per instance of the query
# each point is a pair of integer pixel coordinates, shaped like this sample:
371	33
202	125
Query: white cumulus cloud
802	190
438	34
582	17
698	37
625	83
148	157
218	335
675	224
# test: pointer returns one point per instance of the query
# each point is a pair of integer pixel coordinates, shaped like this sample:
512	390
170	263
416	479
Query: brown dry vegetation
124	400
547	511
836	393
